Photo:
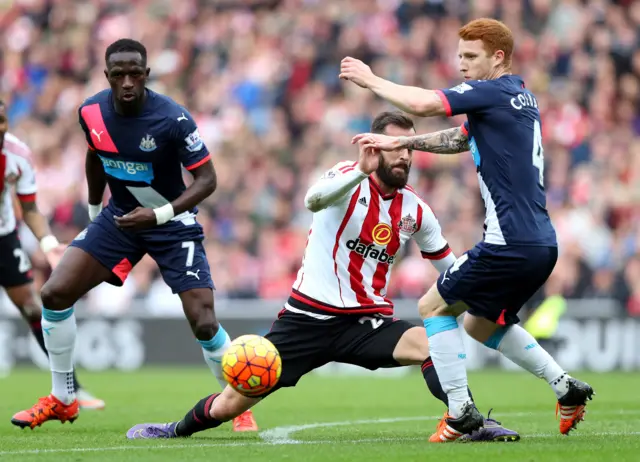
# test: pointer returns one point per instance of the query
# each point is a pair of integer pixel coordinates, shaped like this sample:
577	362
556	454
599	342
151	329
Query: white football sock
519	346
59	332
213	350
448	356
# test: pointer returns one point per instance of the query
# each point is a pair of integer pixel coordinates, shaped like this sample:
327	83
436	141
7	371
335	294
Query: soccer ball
251	365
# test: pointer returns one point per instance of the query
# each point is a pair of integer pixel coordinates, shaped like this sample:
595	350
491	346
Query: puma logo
98	135
444	276
182	117
195	275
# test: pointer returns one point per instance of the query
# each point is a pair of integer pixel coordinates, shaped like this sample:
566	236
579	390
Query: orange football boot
571	406
47	408
444	433
450	429
245	423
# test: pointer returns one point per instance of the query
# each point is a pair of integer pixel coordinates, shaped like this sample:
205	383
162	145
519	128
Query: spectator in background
261	80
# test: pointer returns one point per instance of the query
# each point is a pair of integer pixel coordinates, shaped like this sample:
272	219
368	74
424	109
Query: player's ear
498	57
106	74
147	72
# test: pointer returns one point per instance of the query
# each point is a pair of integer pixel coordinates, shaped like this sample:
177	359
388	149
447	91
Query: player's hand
54	255
356	71
138	218
368	158
378	141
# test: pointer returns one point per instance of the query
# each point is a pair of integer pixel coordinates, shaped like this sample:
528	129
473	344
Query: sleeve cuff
199	163
27	197
439	255
445	102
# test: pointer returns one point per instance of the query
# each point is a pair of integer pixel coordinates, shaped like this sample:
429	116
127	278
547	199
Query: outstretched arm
449	141
414	100
470	96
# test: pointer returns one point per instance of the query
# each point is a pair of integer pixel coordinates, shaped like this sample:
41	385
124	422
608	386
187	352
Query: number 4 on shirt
538	151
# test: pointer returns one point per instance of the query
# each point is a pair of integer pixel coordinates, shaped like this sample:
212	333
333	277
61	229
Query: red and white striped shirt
16	170
354	241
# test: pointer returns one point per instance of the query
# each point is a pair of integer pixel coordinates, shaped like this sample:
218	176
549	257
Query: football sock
198	418
36	329
59	328
447	354
213	350
433	382
519	346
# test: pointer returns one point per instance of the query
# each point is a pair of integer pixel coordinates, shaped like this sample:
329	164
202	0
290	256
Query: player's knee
205	330
413	347
431	303
198	307
55	296
205	325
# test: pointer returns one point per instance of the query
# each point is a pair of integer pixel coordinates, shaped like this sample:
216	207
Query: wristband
164	214
94	211
48	243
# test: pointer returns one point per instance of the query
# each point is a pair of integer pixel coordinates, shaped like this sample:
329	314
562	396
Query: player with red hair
494	279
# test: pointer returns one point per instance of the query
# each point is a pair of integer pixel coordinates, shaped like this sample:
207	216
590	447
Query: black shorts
306	342
495	281
15	266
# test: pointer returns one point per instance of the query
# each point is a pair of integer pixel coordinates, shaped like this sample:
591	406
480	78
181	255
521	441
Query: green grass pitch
323	419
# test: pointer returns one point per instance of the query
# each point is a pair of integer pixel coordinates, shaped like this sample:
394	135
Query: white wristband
94	211
48	243
164	214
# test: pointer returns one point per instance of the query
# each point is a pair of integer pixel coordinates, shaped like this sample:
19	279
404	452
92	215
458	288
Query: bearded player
364	213
139	141
17	174
493	280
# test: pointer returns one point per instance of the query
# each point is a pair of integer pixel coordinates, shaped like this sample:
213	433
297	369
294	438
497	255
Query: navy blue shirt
505	140
143	155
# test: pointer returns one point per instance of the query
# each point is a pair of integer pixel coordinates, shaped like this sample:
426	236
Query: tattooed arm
450	141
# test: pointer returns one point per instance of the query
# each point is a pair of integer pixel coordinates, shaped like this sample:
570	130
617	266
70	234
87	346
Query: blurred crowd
260	79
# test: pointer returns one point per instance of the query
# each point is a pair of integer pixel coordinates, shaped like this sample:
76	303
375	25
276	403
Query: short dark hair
125	44
386	118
